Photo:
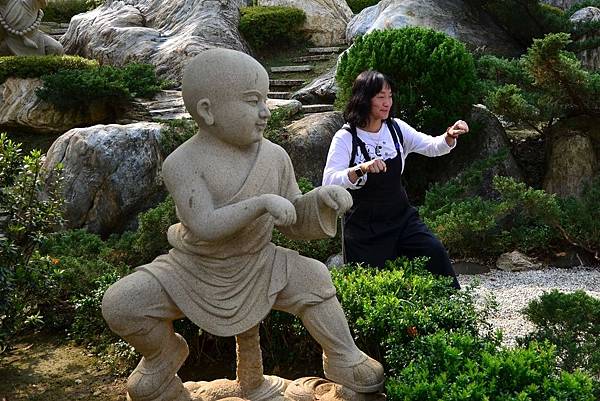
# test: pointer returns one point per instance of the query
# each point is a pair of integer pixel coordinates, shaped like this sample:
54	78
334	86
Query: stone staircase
168	104
54	29
283	88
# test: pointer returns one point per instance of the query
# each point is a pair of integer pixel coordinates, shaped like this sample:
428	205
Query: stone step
293	68
51	24
286	82
54	28
313	57
316	108
166	105
322	50
278	95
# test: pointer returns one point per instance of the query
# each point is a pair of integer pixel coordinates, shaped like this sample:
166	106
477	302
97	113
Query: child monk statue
231	186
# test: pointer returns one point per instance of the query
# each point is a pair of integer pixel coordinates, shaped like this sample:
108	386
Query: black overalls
382	225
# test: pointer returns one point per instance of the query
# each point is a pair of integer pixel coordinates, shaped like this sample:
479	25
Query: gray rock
21	108
321	90
586	14
307	142
470	268
571	164
111	173
362	22
334	261
487	139
589	58
293	107
325	19
452	17
165	34
515	262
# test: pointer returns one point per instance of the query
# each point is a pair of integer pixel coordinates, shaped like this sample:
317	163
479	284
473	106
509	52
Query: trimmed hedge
64	10
434	74
271	27
36	66
72	89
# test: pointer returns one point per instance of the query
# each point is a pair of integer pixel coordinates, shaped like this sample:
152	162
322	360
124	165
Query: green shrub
151	236
455	366
63	10
76	89
358	5
434	74
488	227
279	118
176	133
581	218
512	216
37	66
266	28
556	86
572	323
390	310
30	204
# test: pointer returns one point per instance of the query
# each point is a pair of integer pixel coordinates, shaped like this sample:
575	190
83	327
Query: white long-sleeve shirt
379	145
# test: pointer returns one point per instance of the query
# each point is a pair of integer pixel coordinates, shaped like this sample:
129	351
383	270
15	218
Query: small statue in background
19	30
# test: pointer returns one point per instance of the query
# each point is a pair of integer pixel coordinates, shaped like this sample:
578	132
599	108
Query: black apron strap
356	144
396	133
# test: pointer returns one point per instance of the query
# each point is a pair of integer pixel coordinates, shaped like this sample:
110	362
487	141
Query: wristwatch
358	171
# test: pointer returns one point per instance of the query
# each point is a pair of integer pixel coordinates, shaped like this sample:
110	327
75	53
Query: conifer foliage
434	74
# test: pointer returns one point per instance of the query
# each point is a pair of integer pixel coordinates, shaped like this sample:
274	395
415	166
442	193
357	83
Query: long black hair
368	84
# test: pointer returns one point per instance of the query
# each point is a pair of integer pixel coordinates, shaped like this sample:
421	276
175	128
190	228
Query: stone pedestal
275	388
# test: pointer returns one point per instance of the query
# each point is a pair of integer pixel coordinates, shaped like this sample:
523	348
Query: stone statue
19	33
231	186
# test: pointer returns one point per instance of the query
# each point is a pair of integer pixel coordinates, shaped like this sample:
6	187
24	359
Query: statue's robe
228	286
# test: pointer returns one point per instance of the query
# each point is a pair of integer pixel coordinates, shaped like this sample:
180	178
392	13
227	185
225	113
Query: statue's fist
280	208
336	198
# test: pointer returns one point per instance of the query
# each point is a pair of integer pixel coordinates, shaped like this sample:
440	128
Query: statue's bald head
220	75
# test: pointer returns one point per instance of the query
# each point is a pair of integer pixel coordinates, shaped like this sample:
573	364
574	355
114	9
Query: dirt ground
45	368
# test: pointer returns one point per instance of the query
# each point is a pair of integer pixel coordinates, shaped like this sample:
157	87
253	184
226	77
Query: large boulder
321	90
452	17
326	20
163	33
589	58
487	139
574	154
307	142
20	108
111	173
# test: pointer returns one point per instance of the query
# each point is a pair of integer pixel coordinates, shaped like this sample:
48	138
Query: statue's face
241	114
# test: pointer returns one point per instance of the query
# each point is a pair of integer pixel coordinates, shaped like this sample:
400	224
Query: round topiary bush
434	74
266	27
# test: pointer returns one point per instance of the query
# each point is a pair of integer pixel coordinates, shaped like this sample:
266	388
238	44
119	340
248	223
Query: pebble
514	290
78	381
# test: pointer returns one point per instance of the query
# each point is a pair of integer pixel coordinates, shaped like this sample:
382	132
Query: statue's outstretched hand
280	208
336	198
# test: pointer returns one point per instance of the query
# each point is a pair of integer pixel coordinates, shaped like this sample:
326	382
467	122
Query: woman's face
381	104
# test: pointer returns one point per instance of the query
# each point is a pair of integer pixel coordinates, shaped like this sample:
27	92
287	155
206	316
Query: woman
367	157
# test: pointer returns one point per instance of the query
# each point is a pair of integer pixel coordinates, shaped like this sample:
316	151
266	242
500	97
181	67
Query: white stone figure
231	186
19	33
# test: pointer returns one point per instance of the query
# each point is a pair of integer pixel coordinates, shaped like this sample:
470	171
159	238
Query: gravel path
514	290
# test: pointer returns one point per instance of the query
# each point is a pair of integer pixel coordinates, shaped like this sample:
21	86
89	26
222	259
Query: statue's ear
203	110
